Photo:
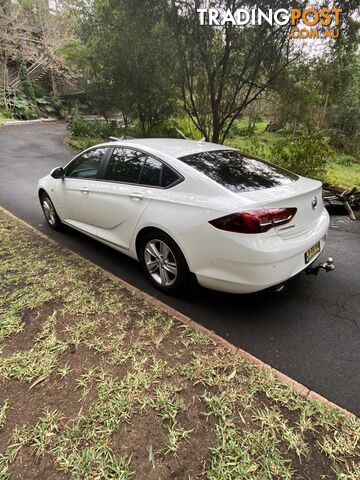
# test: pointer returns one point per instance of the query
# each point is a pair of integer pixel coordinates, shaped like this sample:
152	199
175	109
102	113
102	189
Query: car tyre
164	263
52	218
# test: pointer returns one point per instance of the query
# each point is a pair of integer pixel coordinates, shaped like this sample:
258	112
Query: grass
343	176
5	119
3	412
96	383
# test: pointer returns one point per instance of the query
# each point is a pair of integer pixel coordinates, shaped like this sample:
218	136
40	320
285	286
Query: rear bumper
245	267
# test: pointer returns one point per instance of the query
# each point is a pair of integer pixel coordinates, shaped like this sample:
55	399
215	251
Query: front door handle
136	196
84	189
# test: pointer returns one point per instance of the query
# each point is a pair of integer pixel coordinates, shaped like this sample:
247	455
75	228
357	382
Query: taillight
254	221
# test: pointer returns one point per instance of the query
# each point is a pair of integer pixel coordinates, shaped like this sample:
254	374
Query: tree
224	69
298	93
338	77
33	32
128	53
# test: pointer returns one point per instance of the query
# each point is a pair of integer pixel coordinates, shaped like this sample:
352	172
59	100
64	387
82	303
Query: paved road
311	331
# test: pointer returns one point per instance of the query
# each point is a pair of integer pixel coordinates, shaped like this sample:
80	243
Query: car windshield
237	171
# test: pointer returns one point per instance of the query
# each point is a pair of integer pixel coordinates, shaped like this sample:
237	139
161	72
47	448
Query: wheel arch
41	191
143	231
140	235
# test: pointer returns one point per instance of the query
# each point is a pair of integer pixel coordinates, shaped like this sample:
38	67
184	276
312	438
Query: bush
344	159
82	143
6	113
238	130
306	155
50	105
81	128
94	128
251	146
257	148
172	126
18	106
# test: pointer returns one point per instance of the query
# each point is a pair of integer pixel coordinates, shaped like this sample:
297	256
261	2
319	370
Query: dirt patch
26	466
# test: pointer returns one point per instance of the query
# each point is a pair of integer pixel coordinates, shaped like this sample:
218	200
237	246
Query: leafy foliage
306	155
95	128
126	52
344	159
20	107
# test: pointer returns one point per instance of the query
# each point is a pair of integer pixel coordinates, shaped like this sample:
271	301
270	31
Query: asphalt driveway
311	331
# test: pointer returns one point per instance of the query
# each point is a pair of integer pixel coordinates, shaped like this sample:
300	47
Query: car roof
174	147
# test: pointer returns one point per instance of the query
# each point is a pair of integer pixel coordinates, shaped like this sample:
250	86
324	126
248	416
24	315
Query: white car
238	223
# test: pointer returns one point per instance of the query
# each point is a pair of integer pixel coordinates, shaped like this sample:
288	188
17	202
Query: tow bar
328	266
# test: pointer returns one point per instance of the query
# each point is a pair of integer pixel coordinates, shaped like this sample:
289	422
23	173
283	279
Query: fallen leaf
37	381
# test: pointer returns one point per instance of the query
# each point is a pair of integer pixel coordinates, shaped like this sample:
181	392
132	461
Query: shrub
6	113
50	105
306	155
185	125
251	146
238	130
257	148
24	109
82	143
18	106
344	159
79	127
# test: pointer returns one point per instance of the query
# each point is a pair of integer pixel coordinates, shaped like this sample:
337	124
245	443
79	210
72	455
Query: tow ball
328	266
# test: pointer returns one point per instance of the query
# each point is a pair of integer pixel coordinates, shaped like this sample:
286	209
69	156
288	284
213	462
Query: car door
75	191
121	197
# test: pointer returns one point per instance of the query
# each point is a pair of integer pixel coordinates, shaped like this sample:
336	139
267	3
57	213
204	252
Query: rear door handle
136	196
84	189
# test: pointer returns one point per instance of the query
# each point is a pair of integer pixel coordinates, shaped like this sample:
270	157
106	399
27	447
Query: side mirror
58	172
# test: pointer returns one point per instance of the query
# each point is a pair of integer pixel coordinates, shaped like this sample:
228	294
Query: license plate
314	250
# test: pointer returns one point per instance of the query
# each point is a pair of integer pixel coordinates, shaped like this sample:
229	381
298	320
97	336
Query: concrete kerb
302	390
26	122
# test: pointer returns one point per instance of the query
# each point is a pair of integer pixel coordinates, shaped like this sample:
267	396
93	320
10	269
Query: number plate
314	250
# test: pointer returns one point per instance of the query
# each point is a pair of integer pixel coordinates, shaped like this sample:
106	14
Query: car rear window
238	172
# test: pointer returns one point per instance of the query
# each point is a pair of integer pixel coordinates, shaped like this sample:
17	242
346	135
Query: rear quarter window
238	172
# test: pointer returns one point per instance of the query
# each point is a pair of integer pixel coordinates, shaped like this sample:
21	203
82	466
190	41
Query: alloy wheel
49	211
160	262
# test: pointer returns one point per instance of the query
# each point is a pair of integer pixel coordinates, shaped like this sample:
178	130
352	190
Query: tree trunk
294	129
215	137
5	81
53	84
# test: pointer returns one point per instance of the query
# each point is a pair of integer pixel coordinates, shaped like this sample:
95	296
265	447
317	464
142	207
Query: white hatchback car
240	224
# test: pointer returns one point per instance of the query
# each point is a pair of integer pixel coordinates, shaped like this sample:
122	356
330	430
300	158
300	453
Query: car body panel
117	225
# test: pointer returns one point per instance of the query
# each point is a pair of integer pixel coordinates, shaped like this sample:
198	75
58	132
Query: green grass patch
5	119
343	176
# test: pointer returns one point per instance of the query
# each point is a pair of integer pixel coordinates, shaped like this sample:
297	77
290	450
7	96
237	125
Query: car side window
86	165
157	174
151	172
168	177
125	165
